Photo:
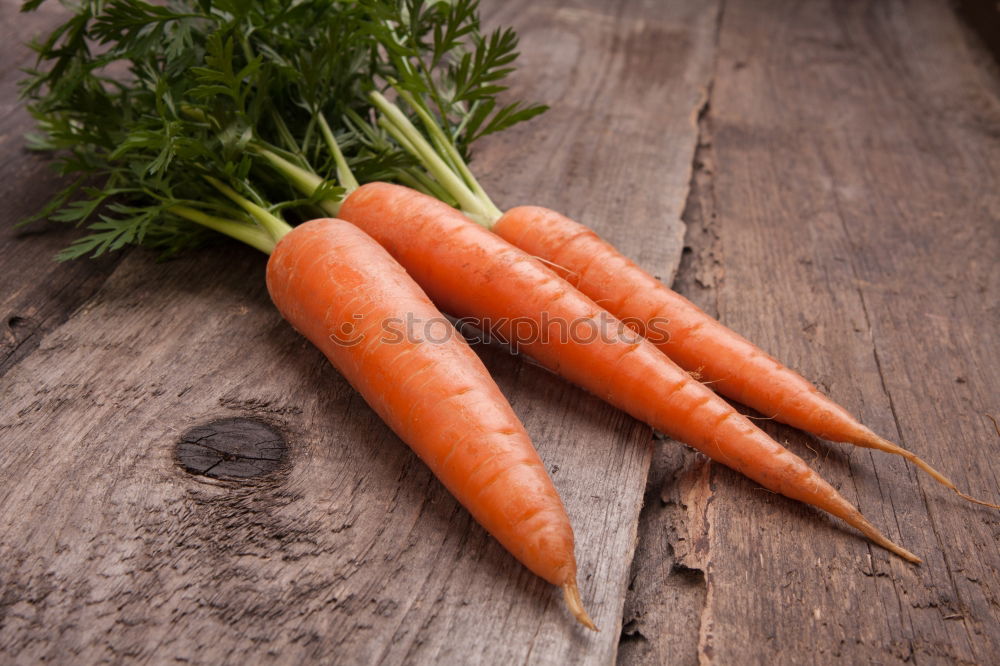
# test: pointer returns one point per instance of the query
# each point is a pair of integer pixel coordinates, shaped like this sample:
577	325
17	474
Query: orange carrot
697	342
471	272
436	395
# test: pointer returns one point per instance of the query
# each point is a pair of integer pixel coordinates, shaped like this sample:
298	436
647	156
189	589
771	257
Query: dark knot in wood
231	448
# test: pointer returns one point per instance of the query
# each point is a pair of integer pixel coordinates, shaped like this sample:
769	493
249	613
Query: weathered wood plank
36	294
354	550
624	81
351	551
626	100
667	589
852	158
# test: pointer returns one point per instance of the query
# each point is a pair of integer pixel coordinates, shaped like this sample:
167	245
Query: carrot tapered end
870	531
898	550
873	441
572	595
970	498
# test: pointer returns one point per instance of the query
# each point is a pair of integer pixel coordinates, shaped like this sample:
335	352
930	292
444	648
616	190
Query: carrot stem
251	235
408	179
449	150
285	134
274	225
421	181
398	125
437	138
344	175
400	135
303	180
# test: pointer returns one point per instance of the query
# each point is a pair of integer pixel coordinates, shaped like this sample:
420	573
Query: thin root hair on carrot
556	266
996	426
815	453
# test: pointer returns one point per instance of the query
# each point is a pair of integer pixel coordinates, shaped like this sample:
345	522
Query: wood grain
354	549
350	551
842	211
624	81
37	294
846	216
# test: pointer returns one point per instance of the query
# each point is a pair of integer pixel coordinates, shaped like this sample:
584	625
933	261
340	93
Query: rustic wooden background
835	166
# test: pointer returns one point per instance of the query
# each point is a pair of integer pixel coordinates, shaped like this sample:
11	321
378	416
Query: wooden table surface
830	171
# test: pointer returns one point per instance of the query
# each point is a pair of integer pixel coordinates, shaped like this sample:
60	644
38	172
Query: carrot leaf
153	108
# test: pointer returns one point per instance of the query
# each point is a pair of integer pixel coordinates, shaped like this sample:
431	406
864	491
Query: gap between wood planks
662	575
895	614
681	495
679	486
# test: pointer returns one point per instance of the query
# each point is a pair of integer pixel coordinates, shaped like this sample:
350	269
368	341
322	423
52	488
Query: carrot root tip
873	441
572	595
970	498
905	554
880	539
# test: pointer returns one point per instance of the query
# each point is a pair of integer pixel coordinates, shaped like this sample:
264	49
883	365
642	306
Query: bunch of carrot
173	151
692	339
207	134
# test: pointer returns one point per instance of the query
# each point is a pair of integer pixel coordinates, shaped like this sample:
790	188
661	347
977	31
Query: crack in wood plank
857	87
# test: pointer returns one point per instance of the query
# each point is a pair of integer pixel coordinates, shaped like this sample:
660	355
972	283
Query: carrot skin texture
728	362
697	342
471	272
437	396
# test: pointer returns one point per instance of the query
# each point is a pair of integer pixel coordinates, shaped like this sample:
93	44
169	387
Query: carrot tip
873	441
880	539
572	595
905	554
970	498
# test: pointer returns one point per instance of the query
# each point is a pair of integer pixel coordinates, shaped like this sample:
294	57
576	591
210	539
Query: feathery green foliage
144	103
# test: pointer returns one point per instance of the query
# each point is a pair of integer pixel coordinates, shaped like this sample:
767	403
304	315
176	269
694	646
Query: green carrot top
168	120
